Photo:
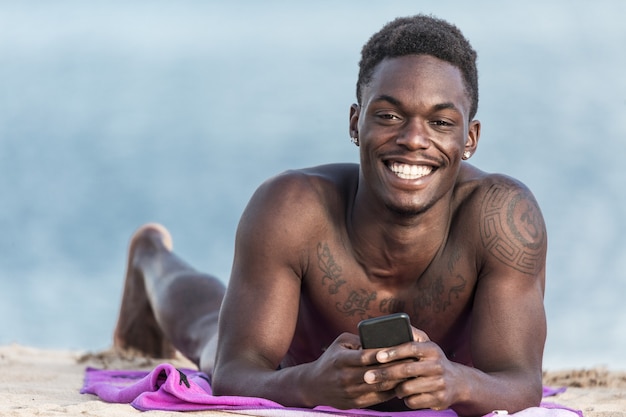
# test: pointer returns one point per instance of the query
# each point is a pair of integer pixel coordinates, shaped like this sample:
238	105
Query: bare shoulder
511	227
328	179
300	188
289	207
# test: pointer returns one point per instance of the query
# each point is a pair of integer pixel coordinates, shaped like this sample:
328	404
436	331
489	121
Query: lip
412	171
403	159
407	184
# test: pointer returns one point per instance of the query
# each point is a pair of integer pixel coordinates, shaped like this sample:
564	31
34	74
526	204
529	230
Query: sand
36	382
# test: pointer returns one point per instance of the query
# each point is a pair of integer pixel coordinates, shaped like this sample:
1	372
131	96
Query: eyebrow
446	106
389	99
437	107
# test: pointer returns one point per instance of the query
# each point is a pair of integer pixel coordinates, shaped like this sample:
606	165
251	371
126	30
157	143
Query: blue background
117	113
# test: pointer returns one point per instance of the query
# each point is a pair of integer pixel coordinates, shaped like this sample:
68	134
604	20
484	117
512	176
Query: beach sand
36	382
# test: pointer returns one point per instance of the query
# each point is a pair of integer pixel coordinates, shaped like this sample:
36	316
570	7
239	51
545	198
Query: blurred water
118	113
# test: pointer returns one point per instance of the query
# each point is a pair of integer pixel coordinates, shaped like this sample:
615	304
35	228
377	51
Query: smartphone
385	331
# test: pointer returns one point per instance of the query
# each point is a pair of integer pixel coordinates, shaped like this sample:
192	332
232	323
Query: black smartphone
385	331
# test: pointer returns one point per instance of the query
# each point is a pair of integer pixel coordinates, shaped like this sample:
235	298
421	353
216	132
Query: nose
414	136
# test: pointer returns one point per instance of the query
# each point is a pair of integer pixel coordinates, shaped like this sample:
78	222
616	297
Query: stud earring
466	155
355	140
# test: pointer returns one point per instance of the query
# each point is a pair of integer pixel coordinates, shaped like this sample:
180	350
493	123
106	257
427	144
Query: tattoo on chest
437	296
330	269
512	229
357	303
455	257
392	305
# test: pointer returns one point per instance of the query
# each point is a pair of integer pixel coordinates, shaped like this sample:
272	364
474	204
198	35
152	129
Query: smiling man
413	228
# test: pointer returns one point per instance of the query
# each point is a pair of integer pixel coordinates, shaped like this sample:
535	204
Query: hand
428	378
337	377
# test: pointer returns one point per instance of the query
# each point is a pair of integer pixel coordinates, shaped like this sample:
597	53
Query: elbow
228	380
531	396
220	384
536	394
217	388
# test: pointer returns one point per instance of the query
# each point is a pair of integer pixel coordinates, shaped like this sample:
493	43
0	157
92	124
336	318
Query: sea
116	113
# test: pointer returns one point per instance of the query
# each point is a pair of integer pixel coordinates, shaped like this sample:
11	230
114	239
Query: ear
355	110
473	135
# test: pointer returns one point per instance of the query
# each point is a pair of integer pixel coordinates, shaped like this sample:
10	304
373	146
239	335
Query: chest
338	291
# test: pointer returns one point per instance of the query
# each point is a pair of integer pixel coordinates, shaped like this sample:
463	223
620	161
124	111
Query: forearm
286	386
481	393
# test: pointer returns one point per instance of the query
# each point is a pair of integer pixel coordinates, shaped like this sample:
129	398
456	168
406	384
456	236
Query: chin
408	210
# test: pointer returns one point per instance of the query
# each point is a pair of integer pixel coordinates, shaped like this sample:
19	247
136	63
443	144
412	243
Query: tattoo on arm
331	270
512	229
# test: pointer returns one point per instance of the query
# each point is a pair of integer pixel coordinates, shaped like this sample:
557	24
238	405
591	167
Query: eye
441	123
388	116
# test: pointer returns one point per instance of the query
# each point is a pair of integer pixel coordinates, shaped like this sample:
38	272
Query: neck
396	245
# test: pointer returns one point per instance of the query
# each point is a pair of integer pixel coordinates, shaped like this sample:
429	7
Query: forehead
421	78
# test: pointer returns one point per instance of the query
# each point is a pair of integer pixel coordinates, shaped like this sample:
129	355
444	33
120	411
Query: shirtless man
412	228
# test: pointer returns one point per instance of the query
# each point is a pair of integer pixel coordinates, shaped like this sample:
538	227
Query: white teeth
410	172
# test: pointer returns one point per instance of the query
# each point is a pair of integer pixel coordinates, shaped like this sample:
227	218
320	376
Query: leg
166	304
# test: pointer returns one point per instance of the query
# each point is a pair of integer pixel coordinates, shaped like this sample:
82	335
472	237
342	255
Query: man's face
413	129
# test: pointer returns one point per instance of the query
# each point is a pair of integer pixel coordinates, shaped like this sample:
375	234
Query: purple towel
168	388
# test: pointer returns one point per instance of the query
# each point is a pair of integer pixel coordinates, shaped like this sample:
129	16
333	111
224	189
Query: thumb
419	335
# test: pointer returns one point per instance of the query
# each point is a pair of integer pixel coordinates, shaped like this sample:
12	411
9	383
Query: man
412	228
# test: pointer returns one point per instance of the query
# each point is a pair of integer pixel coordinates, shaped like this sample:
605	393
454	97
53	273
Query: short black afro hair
417	35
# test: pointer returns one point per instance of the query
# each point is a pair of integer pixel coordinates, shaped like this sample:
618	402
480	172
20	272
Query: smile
410	172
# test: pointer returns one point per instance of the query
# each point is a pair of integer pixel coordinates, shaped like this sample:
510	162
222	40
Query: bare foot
137	327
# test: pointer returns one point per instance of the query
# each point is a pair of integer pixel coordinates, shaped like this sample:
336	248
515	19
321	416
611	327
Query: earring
355	140
466	155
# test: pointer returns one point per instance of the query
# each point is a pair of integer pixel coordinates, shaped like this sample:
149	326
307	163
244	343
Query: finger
420	385
367	357
358	357
397	371
425	400
380	383
411	350
361	395
352	354
424	392
375	397
419	335
383	375
348	340
365	395
385	356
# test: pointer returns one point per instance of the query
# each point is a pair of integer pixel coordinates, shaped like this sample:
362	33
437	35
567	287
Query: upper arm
259	313
508	323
